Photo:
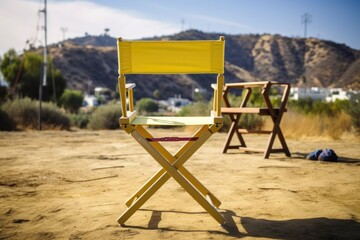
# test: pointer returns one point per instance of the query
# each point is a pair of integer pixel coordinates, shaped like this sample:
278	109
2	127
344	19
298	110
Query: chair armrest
214	86
129	86
246	84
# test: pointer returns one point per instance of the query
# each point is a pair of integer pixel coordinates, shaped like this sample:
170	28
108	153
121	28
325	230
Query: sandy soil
73	185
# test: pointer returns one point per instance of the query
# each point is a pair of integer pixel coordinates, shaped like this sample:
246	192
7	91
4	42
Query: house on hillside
317	93
174	104
314	93
338	94
103	94
90	101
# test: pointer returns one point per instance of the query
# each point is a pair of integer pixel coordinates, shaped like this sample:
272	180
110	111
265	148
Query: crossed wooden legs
234	129
275	113
172	166
276	131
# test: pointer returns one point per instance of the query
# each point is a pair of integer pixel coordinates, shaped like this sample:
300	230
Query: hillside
91	61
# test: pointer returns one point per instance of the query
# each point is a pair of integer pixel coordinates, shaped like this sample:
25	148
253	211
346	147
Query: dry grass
297	125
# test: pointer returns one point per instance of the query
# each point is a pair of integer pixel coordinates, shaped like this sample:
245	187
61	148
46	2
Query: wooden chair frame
276	115
172	57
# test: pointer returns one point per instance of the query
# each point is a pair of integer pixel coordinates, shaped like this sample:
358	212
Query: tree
354	111
10	65
23	74
147	105
72	100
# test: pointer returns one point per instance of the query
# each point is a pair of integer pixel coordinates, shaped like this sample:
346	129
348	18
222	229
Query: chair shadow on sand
291	229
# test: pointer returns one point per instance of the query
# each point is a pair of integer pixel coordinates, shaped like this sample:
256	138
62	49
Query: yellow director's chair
171	57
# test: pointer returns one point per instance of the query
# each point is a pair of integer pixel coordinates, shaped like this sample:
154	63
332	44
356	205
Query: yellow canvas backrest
171	57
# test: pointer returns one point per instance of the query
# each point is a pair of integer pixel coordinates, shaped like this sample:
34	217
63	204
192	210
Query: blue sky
335	20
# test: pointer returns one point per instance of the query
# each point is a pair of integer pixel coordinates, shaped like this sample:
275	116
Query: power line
306	18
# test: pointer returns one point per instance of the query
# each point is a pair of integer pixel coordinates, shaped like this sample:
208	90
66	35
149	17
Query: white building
175	104
338	93
316	93
90	101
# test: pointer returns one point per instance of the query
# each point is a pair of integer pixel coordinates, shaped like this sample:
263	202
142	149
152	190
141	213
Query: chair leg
191	178
276	131
269	145
137	203
172	171
233	129
229	136
160	174
283	143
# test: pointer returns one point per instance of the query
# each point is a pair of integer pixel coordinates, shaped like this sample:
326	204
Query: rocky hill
92	61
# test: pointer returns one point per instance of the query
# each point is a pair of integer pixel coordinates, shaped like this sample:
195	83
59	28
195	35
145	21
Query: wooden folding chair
276	113
170	57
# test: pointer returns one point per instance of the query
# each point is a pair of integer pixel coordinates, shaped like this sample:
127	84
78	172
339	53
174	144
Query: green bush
72	100
354	112
147	105
196	109
24	112
249	121
314	107
6	123
80	120
105	117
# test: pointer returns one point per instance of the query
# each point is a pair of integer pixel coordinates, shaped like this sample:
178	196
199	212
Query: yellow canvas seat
171	57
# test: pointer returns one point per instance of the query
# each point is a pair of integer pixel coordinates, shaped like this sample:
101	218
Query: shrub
105	117
52	117
80	120
196	109
297	125
354	112
71	100
310	106
6	123
24	112
147	105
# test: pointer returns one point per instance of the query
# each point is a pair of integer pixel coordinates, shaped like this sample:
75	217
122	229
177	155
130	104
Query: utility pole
64	30
43	79
306	19
106	31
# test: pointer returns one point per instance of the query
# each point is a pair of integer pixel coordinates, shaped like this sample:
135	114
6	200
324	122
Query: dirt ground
73	185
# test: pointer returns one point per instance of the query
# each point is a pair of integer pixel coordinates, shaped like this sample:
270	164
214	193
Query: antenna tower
306	19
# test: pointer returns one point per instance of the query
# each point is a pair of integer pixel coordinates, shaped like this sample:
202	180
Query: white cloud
222	22
18	22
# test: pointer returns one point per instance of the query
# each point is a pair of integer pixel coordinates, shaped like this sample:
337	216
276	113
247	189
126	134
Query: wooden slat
234	110
249	131
173	121
260	111
246	84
